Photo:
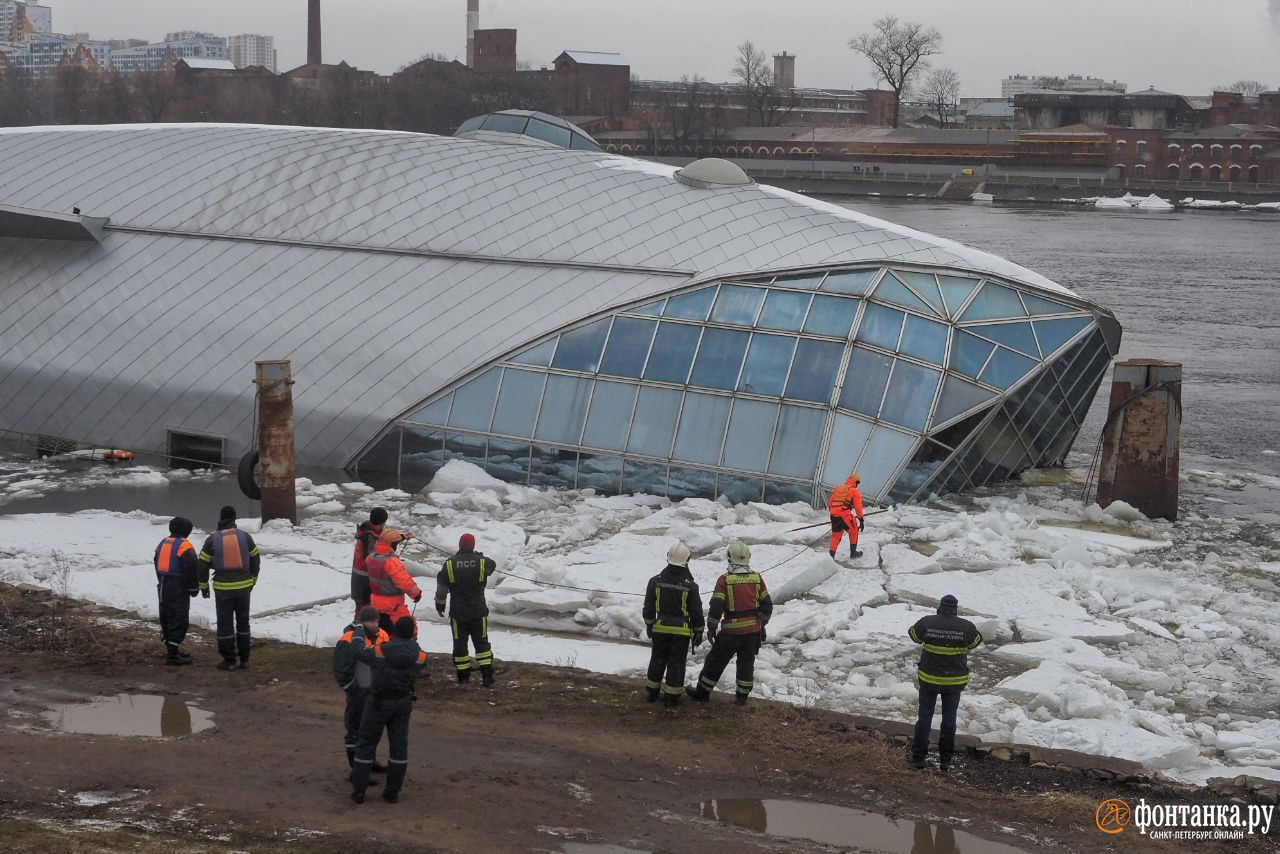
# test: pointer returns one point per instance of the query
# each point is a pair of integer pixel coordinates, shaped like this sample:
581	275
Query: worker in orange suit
845	508
389	581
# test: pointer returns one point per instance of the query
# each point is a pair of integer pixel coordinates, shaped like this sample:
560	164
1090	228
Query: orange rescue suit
845	508
389	583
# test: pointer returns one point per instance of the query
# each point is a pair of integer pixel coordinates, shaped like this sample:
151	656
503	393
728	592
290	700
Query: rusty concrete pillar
275	440
1140	441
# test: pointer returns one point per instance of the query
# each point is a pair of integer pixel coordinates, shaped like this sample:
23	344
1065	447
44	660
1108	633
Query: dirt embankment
550	759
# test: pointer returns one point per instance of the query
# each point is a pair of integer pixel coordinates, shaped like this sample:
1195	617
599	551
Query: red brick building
495	50
592	84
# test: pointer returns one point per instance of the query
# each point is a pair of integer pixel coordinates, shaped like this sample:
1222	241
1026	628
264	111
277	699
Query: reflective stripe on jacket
742	599
168	557
946	641
672	604
389	581
461	582
234	558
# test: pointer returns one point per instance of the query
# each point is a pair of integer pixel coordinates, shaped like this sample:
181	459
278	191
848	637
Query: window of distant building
1253	174
1141	147
1175	151
1196	172
1236	151
1215	151
1120	147
1215	172
1197	151
1234	175
1255	151
1140	171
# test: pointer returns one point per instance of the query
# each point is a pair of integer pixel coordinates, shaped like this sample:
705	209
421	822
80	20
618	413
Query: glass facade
774	389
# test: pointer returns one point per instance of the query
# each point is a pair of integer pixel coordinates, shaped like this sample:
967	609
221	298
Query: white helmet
678	555
739	553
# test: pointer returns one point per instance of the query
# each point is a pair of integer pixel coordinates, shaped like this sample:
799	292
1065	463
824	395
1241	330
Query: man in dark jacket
367	534
943	672
353	675
672	617
177	581
462	581
395	665
235	560
742	601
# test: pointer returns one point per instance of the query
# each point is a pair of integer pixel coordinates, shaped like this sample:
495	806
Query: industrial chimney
473	23
313	32
784	70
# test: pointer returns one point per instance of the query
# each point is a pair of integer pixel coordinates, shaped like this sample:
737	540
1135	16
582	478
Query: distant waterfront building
1019	84
248	49
39	17
44	52
150	57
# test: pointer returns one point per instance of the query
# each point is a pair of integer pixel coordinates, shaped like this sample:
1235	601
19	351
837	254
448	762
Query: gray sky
1180	45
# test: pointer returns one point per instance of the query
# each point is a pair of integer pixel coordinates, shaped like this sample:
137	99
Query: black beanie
227	514
947	604
405	627
378	516
180	527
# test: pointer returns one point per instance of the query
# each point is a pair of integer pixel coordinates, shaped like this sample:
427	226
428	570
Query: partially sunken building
557	315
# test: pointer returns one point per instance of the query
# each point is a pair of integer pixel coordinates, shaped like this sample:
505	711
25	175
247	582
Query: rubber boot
740	699
698	693
671	701
486	677
651	695
464	676
227	664
832	552
176	657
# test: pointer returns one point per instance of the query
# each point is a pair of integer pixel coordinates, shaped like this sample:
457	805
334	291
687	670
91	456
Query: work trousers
668	657
929	695
232	607
477	632
725	648
360	591
175	610
356	699
393	716
839	527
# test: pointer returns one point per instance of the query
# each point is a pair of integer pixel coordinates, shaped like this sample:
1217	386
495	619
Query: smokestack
473	24
313	32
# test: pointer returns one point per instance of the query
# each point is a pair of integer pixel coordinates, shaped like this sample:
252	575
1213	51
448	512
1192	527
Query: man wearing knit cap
235	560
396	665
353	675
462	581
943	672
176	583
672	617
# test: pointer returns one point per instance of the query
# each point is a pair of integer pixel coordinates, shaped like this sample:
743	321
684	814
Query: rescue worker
672	616
742	601
177	583
235	560
389	581
462	581
367	534
353	675
395	664
845	508
943	672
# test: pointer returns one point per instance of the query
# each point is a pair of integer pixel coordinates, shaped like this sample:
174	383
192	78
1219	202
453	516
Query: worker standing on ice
235	561
462	582
177	582
367	534
389	581
943	672
396	665
672	617
353	675
845	507
742	601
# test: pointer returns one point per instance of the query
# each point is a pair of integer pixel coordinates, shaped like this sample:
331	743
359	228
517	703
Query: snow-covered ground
1106	633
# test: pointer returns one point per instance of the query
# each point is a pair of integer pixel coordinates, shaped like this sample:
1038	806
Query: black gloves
417	597
440	610
697	639
193	593
862	526
764	634
205	593
648	632
712	631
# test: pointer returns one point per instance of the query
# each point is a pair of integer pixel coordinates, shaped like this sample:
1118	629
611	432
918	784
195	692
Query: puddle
135	715
842	826
596	848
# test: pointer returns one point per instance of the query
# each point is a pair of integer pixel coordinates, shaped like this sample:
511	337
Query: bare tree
156	91
1248	88
941	91
752	71
898	51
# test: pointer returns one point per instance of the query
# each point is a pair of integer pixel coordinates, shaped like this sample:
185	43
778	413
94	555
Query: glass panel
518	402
892	290
603	474
508	460
927	460
688	482
505	123
768	359
719	358
738	489
864	381
848	436
549	133
1038	305
552	466
1054	333
653	309
831	316
750	435
672	352
434	413
956	289
737	305
885	452
853	282
1015	336
926	286
580	348
422	455
581	143
969	354
799	280
655	422
702	423
380	466
691	306
784	310
813	371
796	444
469	125
642	477
881	326
539	355
628	345
461	446
785	493
610	417
958	396
1006	368
473	402
994	301
564	408
925	339
955	435
910	397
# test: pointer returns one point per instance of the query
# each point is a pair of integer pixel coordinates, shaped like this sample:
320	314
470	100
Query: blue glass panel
881	326
994	301
672	352
738	305
610	416
799	280
505	123
550	466
885	452
688	482
864	381
781	492
813	371
910	395
1054	333
925	339
702	423
848	436
539	355
768	359
653	309
603	474
654	424
628	345
719	358
434	413
564	408
926	286
380	465
892	290
508	461
1006	368
784	310
796	443
739	489
548	133
580	348
958	396
518	402
1038	305
473	402
969	354
853	282
956	289
422	451
831	316
1015	336
691	306
750	435
646	478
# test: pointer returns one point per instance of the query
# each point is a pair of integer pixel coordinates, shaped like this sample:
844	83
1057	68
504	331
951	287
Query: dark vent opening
195	450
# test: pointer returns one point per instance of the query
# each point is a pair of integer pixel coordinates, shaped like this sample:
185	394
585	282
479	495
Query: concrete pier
1140	441
275	440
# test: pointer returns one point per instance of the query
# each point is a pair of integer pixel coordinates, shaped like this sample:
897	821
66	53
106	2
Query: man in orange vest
235	560
354	676
389	581
367	534
176	584
845	503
